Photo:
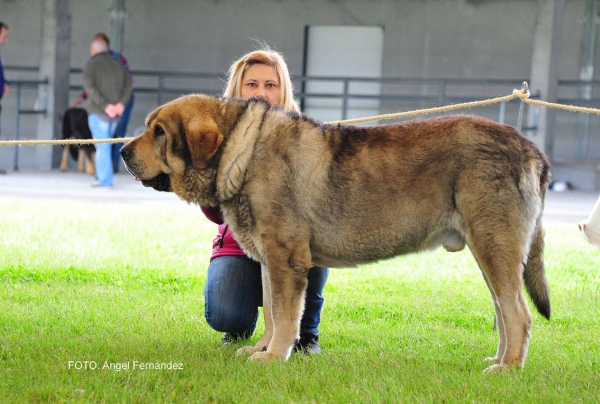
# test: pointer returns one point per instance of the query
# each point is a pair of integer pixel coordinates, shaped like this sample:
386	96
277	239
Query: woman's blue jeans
121	131
103	129
233	293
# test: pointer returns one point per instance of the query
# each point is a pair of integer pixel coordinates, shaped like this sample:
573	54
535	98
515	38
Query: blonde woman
233	290
263	74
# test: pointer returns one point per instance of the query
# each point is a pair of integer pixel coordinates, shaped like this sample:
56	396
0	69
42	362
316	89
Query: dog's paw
493	359
247	350
498	368
265	357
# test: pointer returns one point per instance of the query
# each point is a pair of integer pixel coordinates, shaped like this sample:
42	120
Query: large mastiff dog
298	193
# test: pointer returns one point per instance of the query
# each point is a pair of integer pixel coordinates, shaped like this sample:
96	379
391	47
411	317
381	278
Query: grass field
103	303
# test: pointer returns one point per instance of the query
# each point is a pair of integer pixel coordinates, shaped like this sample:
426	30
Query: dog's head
181	137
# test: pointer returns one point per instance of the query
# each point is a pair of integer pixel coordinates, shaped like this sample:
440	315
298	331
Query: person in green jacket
109	89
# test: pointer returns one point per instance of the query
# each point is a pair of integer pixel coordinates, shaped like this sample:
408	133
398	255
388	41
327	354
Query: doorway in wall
342	51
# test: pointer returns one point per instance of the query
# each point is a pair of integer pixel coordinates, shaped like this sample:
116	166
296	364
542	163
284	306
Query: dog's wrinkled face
179	136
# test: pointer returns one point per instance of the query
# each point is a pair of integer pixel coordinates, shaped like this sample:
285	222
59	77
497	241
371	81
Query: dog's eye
158	131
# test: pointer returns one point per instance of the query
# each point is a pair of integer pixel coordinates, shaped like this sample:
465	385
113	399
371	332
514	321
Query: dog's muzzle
160	183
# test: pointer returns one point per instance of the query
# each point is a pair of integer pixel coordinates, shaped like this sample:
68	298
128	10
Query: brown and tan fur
298	193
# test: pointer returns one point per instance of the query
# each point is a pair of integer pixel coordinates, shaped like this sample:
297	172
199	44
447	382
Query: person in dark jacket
233	290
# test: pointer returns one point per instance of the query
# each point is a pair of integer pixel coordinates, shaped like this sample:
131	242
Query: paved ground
77	186
566	207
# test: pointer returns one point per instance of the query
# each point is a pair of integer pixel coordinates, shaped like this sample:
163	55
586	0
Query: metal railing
162	87
215	83
392	91
40	107
441	96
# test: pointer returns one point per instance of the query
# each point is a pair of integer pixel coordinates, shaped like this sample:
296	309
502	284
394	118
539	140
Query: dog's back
75	124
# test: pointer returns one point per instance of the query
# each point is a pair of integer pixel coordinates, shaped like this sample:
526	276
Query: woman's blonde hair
265	56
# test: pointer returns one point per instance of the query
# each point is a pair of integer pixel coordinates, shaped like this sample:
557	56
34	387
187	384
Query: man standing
109	90
4	89
122	126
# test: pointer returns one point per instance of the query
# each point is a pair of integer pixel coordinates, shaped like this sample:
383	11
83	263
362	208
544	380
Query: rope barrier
35	142
523	94
446	108
571	108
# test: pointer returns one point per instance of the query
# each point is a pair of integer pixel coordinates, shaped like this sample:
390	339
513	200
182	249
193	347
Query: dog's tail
534	274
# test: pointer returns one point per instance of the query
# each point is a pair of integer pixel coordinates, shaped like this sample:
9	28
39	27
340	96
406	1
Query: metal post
547	43
524	87
502	113
16	134
587	57
441	93
345	100
117	25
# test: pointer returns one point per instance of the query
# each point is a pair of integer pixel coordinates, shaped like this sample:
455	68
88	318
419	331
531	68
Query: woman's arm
212	213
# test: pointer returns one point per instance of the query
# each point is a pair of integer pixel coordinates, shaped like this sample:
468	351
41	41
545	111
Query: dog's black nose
125	153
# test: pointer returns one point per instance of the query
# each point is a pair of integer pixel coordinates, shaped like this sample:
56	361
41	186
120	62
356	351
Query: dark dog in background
75	126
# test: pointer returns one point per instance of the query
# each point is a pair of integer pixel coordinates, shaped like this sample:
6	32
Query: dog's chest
237	215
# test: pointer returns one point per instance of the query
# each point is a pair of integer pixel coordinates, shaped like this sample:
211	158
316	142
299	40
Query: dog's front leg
287	286
80	160
64	161
264	341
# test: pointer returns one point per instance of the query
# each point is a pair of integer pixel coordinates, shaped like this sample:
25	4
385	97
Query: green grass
123	284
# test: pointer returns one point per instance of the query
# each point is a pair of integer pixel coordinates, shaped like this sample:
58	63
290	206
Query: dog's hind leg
500	252
287	270
90	165
499	322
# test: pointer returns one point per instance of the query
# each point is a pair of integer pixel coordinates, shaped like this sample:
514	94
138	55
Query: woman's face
261	81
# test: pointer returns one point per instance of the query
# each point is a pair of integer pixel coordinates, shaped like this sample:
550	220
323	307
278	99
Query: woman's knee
232	293
229	318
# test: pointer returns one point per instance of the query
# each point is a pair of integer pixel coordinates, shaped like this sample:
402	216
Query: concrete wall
423	38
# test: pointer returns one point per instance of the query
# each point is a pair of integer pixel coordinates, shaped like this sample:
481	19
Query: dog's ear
203	140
